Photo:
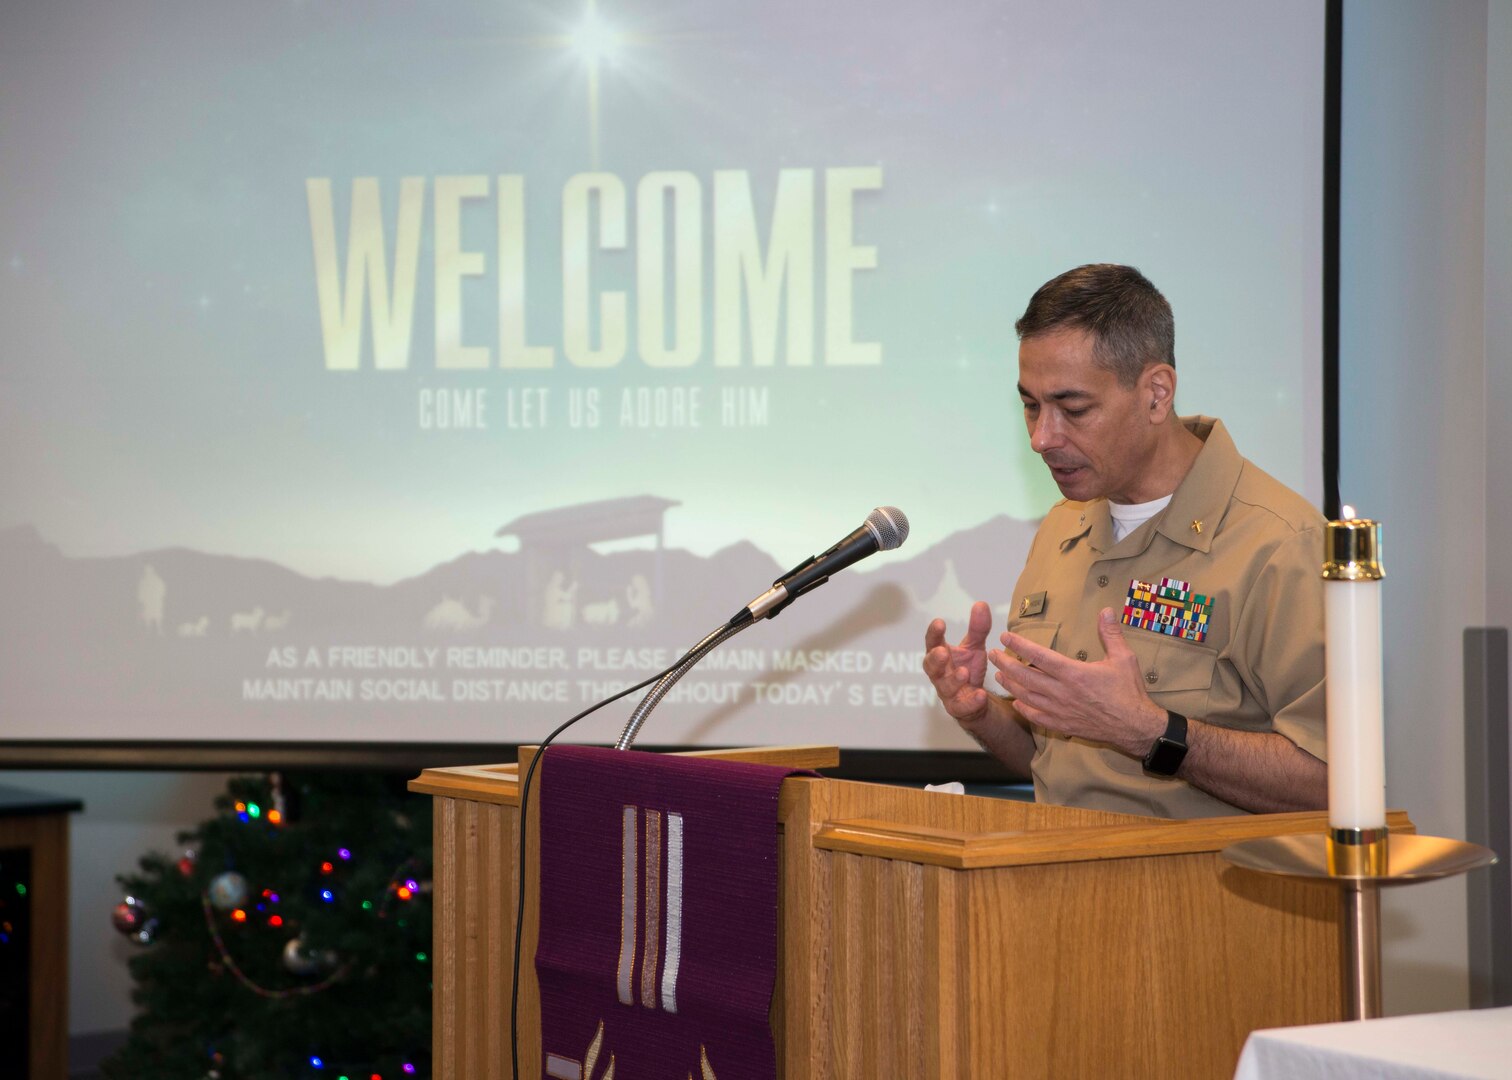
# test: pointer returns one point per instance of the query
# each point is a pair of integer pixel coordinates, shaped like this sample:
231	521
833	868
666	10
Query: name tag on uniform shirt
1032	604
1168	608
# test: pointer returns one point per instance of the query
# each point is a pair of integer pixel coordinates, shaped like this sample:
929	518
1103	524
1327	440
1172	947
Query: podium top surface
500	783
960	832
1059	837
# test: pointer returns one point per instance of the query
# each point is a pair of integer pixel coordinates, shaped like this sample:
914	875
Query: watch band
1170	749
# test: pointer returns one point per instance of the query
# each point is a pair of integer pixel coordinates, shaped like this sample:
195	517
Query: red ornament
127	917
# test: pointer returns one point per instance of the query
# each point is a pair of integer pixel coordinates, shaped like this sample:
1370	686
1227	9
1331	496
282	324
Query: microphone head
889	525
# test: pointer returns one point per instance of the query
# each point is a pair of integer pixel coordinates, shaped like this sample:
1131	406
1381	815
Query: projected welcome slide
404	372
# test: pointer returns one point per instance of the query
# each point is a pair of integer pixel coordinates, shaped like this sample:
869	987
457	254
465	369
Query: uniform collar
1202	497
1197	506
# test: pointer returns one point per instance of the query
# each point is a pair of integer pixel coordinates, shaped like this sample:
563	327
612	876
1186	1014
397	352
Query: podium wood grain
929	935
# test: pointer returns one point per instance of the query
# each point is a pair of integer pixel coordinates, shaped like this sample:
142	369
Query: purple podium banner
658	946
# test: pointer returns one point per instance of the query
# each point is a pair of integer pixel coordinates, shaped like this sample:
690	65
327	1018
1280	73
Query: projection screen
395	372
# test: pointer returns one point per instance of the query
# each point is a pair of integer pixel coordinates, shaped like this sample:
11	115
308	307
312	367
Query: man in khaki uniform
1165	654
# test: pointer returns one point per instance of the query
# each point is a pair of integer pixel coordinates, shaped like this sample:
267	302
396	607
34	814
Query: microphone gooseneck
664	685
885	528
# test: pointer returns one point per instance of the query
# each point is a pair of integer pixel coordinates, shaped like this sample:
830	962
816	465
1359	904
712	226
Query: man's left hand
1101	701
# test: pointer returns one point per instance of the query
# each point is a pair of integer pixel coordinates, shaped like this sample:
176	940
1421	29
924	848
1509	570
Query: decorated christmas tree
290	937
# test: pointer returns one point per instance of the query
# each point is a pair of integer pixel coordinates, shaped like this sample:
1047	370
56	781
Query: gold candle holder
1358	852
1352	550
1359	861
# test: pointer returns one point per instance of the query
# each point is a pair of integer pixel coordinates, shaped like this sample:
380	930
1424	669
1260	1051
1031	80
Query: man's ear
1157	386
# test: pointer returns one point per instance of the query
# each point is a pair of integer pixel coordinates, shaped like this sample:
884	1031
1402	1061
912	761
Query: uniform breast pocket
1043	633
1036	630
1177	674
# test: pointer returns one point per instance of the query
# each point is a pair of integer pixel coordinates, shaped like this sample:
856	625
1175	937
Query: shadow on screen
883	606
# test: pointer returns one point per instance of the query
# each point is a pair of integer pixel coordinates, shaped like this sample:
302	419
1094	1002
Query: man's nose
1044	433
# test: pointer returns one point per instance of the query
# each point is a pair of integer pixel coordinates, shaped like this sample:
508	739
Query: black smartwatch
1170	749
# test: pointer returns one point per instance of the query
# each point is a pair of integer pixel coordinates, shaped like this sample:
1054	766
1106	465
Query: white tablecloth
1435	1046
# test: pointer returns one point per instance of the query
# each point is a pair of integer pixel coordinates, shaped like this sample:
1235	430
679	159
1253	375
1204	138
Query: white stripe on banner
674	911
563	1068
630	857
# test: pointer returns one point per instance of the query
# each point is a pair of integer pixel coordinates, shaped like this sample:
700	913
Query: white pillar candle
1356	713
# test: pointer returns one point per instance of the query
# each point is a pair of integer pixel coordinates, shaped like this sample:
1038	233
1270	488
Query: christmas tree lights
275	950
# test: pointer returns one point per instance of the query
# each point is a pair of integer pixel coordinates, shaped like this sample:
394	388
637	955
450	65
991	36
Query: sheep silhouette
247	620
453	616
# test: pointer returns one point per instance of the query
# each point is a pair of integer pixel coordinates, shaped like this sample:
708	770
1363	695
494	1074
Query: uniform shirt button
1102	581
1151	677
1081	654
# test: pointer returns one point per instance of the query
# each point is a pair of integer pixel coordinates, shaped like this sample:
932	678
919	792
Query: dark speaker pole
1488	814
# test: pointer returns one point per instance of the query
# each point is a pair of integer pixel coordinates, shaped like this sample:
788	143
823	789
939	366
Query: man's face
1095	435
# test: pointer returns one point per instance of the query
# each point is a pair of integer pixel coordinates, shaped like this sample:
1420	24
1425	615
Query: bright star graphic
596	42
594	39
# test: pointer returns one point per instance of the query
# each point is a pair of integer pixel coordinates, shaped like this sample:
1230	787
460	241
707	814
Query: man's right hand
957	671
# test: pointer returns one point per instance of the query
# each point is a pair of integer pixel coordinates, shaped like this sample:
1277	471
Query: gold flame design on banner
558	1066
590	1059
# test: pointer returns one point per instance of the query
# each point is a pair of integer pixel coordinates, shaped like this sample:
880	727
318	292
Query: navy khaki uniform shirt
1241	645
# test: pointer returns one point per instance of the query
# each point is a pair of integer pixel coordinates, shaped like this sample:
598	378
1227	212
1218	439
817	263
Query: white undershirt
1129	516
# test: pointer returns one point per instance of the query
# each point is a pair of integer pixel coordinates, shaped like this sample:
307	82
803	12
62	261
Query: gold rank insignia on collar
1197	526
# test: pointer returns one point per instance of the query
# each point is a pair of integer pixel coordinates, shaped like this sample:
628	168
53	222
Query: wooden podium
930	935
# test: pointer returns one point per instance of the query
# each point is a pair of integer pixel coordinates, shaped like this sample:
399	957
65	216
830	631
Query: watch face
1165	757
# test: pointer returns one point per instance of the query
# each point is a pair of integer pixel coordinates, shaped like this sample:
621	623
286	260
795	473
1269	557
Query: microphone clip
776	609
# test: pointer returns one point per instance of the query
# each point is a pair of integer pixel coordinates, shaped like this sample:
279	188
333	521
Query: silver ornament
228	890
302	961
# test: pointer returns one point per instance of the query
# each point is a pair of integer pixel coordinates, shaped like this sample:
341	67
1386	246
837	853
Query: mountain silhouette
116	646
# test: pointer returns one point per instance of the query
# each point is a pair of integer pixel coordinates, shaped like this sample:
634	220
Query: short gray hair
1130	321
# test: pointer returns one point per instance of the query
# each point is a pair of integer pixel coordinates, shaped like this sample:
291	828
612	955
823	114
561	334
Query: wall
1499	313
1416	395
1498	294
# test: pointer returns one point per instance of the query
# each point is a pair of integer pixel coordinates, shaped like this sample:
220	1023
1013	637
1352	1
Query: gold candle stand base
1360	862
